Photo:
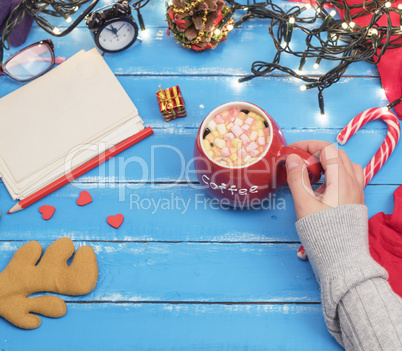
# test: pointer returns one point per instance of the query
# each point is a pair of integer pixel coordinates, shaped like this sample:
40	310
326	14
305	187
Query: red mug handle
313	165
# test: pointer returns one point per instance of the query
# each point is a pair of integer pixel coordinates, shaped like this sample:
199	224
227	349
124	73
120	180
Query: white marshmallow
211	125
220	143
221	128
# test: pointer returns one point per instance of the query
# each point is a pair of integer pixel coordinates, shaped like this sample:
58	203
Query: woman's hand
344	180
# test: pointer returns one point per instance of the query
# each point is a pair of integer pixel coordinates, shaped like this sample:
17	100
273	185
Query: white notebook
61	120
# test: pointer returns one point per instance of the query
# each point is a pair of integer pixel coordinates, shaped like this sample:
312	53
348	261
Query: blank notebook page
73	104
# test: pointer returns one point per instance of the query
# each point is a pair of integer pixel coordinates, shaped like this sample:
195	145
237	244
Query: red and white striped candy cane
387	146
383	153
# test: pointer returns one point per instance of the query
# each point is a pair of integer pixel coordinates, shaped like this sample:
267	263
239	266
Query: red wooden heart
84	199
47	211
115	221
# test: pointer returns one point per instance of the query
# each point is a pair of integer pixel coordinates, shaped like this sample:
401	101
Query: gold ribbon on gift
166	100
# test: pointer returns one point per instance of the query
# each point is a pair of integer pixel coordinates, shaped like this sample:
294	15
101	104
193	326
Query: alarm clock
114	28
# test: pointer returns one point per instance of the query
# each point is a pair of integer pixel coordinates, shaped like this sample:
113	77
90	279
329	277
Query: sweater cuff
336	242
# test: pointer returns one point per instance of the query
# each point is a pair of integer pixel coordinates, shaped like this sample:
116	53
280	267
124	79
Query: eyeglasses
31	62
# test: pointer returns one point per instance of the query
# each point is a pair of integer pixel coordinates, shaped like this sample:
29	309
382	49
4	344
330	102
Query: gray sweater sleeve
360	309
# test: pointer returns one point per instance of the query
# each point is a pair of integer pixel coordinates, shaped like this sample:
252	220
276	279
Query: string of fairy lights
326	38
40	10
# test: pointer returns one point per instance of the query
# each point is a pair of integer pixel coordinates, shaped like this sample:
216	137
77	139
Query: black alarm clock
114	28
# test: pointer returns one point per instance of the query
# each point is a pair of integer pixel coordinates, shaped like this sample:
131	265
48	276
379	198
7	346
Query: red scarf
385	239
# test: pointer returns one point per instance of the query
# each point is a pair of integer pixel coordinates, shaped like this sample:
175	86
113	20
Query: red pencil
79	171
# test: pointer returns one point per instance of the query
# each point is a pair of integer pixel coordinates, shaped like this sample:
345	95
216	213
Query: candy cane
302	253
387	146
383	153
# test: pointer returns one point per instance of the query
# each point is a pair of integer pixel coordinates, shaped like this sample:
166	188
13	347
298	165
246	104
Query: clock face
117	35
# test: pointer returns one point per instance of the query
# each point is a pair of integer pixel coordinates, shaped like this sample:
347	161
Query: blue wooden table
180	273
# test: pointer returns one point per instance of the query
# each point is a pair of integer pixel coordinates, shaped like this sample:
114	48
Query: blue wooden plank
158	213
159	54
202	272
167	156
176	327
202	94
279	97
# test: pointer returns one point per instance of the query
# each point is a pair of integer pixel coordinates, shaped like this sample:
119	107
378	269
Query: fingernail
292	161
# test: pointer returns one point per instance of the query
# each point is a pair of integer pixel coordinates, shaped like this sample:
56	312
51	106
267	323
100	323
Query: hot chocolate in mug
240	153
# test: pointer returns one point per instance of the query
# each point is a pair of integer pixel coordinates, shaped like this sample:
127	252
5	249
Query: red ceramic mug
250	184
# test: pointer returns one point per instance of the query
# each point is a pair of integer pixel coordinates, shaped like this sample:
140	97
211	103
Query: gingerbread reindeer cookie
24	276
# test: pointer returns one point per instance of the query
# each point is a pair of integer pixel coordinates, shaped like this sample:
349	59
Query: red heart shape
84	199
115	221
47	211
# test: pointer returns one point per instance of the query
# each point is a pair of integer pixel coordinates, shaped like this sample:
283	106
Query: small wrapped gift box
171	103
